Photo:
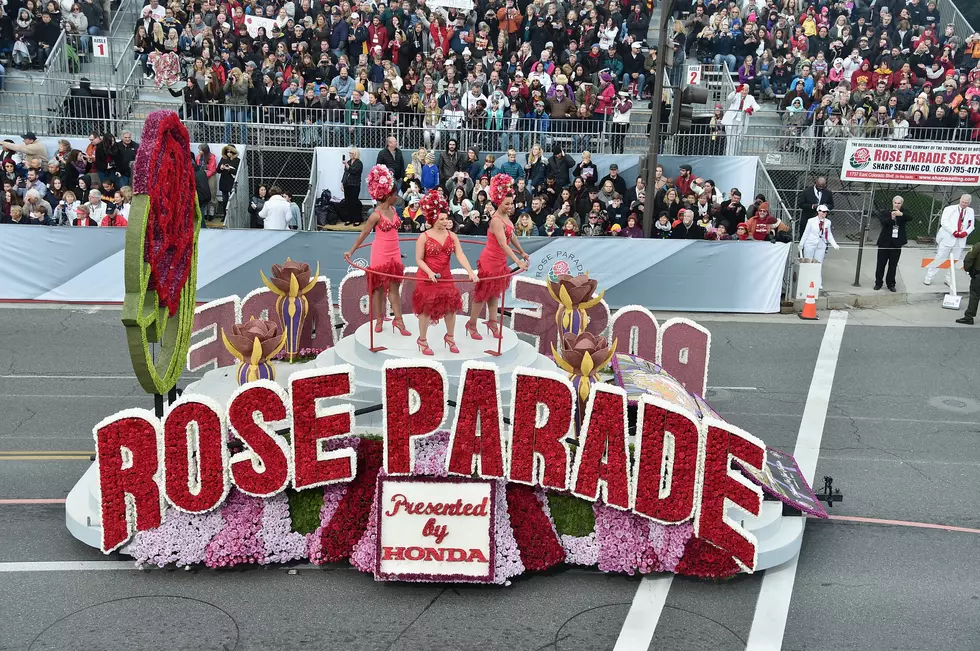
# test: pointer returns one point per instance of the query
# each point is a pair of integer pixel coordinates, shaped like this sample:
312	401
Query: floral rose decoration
254	343
501	186
432	204
582	357
282	275
381	182
291	281
574	296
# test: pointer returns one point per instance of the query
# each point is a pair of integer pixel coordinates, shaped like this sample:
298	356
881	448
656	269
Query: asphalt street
901	440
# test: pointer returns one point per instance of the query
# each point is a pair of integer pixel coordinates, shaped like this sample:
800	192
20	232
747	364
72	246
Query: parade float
578	437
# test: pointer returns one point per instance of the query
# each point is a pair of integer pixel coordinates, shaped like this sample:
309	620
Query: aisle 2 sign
694	75
100	47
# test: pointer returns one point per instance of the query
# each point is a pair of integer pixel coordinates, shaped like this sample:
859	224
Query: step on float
299	445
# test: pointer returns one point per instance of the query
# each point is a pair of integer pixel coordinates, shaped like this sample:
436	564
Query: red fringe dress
492	262
386	256
437	299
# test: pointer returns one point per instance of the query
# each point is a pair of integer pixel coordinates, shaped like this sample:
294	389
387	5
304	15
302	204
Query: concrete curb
882	298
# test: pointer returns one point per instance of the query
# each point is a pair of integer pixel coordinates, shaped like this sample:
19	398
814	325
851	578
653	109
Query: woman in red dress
493	261
386	259
436	295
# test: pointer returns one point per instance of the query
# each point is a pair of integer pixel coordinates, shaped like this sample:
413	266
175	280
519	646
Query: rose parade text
676	468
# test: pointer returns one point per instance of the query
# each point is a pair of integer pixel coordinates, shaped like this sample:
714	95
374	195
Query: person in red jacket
377	35
762	223
441	34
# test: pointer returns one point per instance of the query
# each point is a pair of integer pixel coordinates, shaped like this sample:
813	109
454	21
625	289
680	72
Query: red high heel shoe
399	326
450	343
493	328
471	330
379	326
424	346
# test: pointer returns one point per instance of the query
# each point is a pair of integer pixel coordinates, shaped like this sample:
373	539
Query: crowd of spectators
557	196
868	68
29	29
358	71
91	187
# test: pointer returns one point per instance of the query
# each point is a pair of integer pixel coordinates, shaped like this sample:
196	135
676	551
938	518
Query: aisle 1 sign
100	46
694	75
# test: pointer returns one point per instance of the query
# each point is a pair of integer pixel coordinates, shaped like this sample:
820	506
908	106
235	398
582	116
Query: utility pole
666	10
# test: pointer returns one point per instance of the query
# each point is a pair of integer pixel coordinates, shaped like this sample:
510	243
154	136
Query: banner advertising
783	479
897	161
431	530
86	265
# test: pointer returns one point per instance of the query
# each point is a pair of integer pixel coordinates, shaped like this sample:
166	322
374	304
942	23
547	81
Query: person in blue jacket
430	173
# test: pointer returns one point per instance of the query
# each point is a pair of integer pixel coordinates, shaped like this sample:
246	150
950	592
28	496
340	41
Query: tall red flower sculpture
161	254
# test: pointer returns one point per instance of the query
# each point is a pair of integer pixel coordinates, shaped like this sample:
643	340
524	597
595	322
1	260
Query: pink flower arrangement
281	543
239	541
381	182
182	539
501	186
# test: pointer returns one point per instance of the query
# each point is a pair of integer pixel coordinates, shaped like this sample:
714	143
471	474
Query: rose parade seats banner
86	265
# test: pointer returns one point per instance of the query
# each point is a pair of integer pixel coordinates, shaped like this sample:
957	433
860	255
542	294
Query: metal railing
309	201
961	27
309	128
127	12
778	209
111	66
790	146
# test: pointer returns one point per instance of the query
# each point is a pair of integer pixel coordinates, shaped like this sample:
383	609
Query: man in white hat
816	237
741	106
955	226
633	69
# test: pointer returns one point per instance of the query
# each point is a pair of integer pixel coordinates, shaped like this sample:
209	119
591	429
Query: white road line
116	566
874	418
55	396
67	566
772	608
641	621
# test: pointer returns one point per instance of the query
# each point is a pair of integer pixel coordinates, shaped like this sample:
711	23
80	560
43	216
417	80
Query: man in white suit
741	106
816	237
955	226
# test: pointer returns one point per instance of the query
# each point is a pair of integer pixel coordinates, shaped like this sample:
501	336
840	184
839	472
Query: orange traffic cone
810	305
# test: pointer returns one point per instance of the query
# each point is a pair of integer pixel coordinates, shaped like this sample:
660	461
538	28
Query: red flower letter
195	477
478	405
212	318
666	466
314	467
725	441
638	327
683	352
538	454
262	470
414	404
602	459
129	475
